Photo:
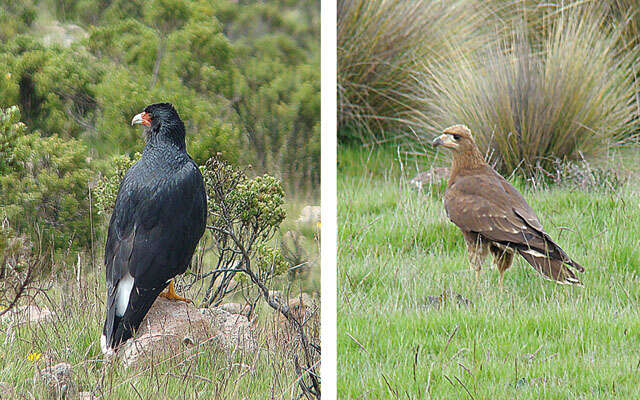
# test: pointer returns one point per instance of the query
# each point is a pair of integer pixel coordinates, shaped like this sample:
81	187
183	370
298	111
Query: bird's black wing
170	221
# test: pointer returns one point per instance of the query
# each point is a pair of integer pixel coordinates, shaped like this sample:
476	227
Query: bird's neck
166	135
471	159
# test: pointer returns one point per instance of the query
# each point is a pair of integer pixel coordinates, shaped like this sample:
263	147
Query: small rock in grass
237	308
6	390
447	296
27	314
306	311
310	214
58	380
431	177
302	308
538	381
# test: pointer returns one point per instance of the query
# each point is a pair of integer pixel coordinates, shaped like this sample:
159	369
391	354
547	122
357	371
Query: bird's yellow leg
501	278
171	294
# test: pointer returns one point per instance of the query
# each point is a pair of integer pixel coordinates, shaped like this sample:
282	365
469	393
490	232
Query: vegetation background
550	91
244	77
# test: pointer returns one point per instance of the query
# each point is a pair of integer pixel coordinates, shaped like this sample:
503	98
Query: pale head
457	138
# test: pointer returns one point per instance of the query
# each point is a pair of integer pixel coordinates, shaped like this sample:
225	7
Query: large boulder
175	327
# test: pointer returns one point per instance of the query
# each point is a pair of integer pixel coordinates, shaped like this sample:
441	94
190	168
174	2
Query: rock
431	177
62	34
27	314
6	390
173	327
236	308
276	295
85	396
302	307
446	297
310	214
232	330
58	380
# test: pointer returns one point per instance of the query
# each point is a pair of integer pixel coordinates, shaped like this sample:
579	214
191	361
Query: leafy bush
244	214
43	185
15	17
106	190
528	104
242	75
54	87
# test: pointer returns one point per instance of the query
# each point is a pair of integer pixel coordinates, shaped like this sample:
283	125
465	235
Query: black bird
158	219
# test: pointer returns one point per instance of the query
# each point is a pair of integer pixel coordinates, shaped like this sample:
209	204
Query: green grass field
532	340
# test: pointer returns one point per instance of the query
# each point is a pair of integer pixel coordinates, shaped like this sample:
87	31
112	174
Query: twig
358	343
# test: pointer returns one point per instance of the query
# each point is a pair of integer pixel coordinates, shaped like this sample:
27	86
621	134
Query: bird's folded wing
481	204
164	236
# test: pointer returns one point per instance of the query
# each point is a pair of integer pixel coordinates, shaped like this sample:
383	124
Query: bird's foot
172	295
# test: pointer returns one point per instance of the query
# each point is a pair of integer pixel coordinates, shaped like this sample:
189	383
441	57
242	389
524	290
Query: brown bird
494	217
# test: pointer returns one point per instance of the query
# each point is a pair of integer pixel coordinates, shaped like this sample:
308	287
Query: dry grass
530	101
200	372
380	45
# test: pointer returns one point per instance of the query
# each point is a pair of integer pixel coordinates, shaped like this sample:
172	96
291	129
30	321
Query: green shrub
528	103
54	87
15	17
243	216
245	78
43	185
106	190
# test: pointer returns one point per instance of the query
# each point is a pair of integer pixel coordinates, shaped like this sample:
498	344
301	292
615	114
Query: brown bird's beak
445	140
142	118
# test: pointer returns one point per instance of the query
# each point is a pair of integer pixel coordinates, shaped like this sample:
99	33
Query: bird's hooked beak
445	140
142	118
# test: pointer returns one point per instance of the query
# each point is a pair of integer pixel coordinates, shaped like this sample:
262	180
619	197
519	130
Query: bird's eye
456	136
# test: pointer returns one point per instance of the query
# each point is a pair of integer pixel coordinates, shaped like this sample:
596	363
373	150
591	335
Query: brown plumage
494	217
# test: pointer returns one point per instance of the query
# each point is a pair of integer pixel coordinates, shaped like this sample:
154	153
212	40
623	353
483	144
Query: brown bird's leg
502	259
172	295
477	251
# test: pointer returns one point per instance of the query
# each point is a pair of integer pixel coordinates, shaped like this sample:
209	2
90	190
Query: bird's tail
552	269
116	329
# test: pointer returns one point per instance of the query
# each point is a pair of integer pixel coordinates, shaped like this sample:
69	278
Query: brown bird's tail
552	269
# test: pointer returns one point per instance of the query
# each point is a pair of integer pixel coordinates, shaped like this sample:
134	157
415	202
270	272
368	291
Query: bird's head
156	114
457	138
465	153
162	119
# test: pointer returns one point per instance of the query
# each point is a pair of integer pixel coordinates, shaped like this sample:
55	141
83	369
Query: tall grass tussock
535	81
530	102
